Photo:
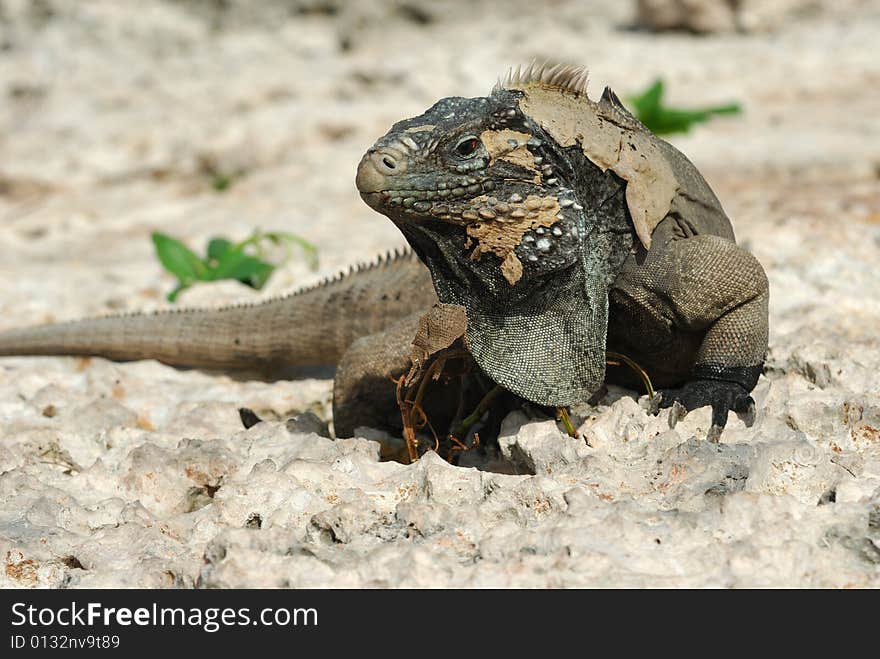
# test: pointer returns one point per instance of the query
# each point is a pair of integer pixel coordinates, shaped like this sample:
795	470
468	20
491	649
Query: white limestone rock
138	474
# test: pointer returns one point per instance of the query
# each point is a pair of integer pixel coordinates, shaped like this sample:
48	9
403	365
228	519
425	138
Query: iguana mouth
376	182
373	172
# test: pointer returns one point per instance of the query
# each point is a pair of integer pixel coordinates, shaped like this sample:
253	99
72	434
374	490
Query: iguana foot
722	395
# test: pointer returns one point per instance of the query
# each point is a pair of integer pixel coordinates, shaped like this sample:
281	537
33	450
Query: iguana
561	226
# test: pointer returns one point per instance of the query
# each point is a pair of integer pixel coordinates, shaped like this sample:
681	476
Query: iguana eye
467	146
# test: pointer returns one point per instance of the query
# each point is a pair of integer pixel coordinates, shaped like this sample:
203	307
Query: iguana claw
652	405
677	412
722	395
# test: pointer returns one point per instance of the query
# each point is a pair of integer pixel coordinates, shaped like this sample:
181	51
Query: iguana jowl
562	226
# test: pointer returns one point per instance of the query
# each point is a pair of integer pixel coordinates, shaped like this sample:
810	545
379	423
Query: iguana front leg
706	285
716	286
365	388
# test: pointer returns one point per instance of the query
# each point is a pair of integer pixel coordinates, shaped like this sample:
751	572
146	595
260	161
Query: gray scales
562	227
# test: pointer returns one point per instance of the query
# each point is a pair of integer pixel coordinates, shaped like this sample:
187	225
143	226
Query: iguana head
484	167
518	204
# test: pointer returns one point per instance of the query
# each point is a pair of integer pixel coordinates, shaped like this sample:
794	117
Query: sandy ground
117	116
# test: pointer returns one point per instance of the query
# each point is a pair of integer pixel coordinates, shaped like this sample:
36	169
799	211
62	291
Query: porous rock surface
708	16
116	120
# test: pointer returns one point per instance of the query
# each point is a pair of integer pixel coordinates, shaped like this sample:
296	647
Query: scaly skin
314	326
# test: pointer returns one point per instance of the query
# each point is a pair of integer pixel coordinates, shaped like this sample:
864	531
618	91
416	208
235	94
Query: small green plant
243	261
221	182
663	120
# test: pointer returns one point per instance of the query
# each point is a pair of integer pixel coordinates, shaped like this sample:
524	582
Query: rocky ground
118	118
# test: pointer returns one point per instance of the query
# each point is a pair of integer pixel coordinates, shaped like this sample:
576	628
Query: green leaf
260	275
217	248
648	104
247	269
178	259
648	107
309	250
226	260
730	108
221	182
172	296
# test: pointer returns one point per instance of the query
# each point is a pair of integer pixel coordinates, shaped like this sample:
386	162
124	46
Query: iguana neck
542	337
599	220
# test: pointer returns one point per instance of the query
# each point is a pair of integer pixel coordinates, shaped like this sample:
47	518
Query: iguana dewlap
562	226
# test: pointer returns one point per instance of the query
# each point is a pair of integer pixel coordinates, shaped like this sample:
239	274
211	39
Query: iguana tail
313	326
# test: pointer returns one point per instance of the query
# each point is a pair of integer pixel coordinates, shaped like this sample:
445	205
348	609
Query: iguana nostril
386	162
376	166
